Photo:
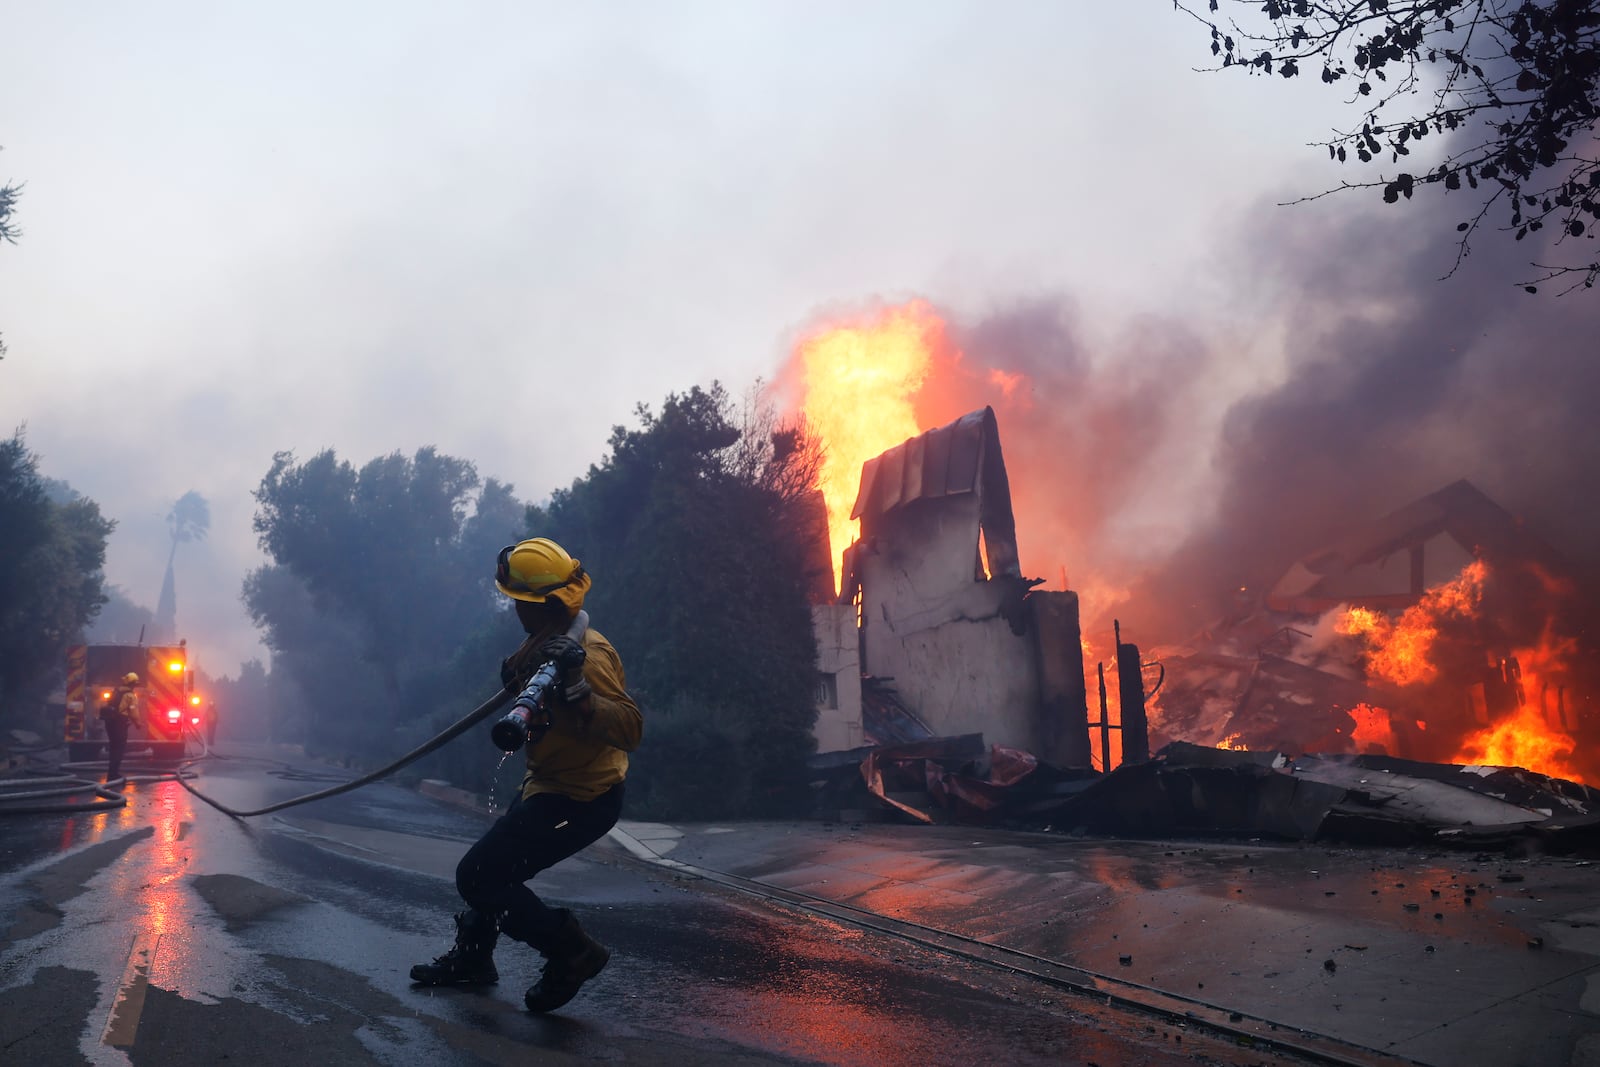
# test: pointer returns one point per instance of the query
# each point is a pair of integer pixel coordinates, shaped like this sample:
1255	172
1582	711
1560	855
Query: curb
461	798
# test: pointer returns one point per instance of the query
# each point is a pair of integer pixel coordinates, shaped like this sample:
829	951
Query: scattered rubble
1442	632
1191	789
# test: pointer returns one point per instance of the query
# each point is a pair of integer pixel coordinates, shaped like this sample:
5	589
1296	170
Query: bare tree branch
1515	93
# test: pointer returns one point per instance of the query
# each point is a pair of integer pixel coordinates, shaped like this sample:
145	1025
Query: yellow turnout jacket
583	755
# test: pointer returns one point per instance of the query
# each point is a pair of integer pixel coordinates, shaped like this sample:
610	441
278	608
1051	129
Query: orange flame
1523	739
1398	650
859	380
1523	733
1533	737
1373	729
869	381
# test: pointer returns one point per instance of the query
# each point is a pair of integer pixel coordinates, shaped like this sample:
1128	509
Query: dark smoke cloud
1086	431
1400	381
1398	384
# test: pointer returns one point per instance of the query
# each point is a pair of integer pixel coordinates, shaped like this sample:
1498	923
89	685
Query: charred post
1063	697
1130	694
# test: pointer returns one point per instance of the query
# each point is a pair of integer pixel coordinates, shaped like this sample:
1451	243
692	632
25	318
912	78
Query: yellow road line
122	1024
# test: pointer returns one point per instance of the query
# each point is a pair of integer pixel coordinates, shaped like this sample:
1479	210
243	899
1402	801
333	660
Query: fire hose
527	720
528	717
108	795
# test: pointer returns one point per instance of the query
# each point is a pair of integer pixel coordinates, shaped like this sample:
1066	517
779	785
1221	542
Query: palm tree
188	520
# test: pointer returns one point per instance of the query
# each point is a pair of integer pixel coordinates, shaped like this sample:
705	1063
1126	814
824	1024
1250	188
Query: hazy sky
495	228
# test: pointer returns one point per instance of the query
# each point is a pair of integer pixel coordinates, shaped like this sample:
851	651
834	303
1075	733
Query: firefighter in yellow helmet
571	793
119	713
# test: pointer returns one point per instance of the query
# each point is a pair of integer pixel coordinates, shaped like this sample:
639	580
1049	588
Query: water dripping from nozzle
494	782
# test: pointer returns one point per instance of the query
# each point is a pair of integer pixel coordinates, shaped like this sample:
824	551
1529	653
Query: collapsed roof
1455	524
1192	789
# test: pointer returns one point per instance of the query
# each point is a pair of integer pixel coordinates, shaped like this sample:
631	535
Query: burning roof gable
955	459
1460	511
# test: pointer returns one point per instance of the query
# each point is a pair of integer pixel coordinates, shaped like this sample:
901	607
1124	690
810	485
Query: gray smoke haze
445	209
1164	467
1397	385
370	233
1093	436
1399	382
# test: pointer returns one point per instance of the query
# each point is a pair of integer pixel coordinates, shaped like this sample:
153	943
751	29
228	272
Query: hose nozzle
529	712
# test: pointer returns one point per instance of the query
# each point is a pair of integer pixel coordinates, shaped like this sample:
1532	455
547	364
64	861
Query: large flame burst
1522	739
1530	737
868	380
1399	650
859	380
1373	728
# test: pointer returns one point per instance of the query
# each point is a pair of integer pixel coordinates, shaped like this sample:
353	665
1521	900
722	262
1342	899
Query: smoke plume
1162	471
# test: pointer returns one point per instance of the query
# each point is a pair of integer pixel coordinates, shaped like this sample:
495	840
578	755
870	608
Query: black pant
536	833
117	744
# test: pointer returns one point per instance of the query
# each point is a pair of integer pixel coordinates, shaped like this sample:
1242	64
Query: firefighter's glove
517	668
568	654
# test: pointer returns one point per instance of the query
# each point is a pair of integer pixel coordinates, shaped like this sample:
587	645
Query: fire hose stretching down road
1113	991
511	733
109	798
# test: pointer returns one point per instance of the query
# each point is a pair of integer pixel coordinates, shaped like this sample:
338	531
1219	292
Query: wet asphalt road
167	933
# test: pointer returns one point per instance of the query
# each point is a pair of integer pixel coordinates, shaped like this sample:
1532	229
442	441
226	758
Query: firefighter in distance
119	713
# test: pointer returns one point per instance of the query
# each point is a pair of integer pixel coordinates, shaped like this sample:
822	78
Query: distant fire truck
168	705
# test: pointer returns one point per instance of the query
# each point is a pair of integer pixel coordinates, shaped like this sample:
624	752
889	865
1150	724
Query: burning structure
932	629
936	632
1430	638
1443	632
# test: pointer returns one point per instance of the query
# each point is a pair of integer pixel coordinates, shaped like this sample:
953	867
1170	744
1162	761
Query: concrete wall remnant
946	617
839	677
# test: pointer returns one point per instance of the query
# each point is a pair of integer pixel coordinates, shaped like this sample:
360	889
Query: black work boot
572	957
470	960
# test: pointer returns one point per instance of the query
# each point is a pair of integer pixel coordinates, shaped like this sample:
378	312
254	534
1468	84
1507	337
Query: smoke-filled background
495	228
1164	467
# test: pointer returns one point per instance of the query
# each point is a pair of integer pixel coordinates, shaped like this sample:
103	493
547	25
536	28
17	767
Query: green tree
250	706
189	520
8	230
329	693
120	620
703	569
379	576
8	203
52	556
1511	86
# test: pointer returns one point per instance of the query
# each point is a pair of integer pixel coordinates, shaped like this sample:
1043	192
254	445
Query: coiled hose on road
109	799
108	794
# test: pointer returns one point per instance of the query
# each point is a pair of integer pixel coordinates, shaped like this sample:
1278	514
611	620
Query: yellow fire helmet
130	679
537	569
